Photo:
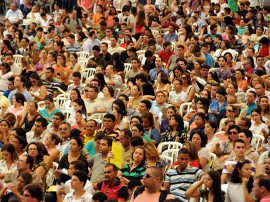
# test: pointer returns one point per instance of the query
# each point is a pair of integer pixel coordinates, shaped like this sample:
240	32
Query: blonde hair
151	149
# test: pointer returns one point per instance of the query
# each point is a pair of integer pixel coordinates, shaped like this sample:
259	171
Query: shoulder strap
138	191
163	195
77	19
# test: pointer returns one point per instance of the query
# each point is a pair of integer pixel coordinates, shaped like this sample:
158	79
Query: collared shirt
155	108
73	48
92	105
153	73
170	38
14	16
89	44
250	108
165	56
97	164
223	74
117	79
30	137
26	94
127	156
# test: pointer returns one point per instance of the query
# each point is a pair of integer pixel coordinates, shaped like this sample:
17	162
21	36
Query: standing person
178	179
241	183
212	191
151	189
112	186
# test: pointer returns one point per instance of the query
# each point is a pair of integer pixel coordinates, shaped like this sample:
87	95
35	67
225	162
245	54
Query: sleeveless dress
29	124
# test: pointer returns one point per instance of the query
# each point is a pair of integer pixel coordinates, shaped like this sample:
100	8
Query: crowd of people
177	108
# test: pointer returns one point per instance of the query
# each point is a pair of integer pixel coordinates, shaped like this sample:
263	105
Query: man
125	137
171	36
91	42
209	59
91	127
239	148
49	39
179	179
16	69
97	59
130	19
14	14
109	126
10	85
197	55
131	52
112	186
76	79
73	21
144	106
97	162
149	58
159	66
159	103
93	104
111	78
53	127
135	68
251	98
32	192
236	44
142	43
249	70
167	52
78	181
76	166
172	61
177	97
109	34
19	84
261	188
260	90
72	47
24	49
39	133
151	189
115	48
104	52
25	164
50	84
93	146
223	72
64	130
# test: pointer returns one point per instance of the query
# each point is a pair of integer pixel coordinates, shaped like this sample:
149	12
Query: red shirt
165	56
191	163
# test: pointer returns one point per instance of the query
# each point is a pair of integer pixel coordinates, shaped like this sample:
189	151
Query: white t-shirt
88	187
87	197
175	97
131	20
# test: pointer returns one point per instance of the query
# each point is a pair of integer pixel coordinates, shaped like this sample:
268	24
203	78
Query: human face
246	170
256	189
64	131
92	94
76	81
196	139
208	181
177	86
26	197
48	140
250	98
32	150
71	170
38	129
17	82
22	163
104	147
48	104
199	121
208	130
183	160
172	121
109	173
204	94
6	155
134	121
221	62
259	89
4	125
73	146
170	112
90	127
135	132
239	149
124	140
160	98
75	182
263	103
220	97
138	155
158	62
267	165
108	123
20	183
230	112
255	117
142	108
134	91
146	123
56	121
177	73
77	107
73	95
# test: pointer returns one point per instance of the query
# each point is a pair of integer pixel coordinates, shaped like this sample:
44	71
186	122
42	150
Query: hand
110	155
13	188
57	173
124	180
230	168
245	181
61	190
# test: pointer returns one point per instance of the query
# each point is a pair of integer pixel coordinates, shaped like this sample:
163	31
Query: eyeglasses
33	81
26	195
233	133
87	91
146	175
183	77
228	110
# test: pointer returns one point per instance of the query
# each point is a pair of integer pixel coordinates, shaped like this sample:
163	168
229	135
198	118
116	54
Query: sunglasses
87	91
233	133
228	110
146	175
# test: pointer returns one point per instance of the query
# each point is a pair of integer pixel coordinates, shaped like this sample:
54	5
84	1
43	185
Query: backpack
77	19
162	197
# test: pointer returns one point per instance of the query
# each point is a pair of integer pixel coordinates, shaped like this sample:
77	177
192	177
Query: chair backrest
83	62
17	59
233	52
140	52
41	105
168	145
168	160
88	73
65	95
257	141
212	159
127	67
67	114
117	92
59	101
172	153
83	54
154	32
184	107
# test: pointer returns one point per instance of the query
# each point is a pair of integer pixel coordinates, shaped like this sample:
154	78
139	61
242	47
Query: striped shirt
134	174
181	181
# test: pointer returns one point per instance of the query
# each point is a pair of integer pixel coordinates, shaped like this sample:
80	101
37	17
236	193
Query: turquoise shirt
44	113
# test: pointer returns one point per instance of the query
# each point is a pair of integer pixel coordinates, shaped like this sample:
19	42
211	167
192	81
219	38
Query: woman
81	37
34	14
163	82
200	141
176	131
27	70
210	129
75	146
5	75
51	62
230	63
241	183
134	171
199	121
241	81
58	47
6	48
29	117
100	77
62	71
9	161
257	125
108	92
98	14
171	110
69	104
187	86
42	160
265	109
136	93
177	73
258	35
16	191
149	128
37	90
130	83
109	15
186	33
217	105
17	106
126	41
229	30
80	120
51	141
73	63
39	66
152	156
50	109
212	188
231	114
119	122
19	143
260	21
224	45
140	22
78	104
138	131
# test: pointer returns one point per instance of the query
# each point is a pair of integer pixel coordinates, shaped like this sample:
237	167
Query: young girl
257	125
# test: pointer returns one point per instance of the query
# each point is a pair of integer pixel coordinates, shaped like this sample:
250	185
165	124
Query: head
32	193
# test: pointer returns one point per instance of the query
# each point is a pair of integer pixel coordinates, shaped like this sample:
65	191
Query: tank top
29	124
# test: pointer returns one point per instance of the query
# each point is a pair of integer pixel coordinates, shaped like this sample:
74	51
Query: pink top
86	3
17	113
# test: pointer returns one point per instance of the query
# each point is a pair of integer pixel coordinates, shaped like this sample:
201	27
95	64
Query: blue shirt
154	135
171	38
214	105
44	113
26	94
155	109
250	108
209	60
153	73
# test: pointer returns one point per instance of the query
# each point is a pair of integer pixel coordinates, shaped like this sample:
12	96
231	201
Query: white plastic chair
83	54
173	46
127	67
41	105
257	141
17	59
172	153
212	159
58	101
65	95
88	73
233	52
168	160
67	114
140	52
168	145
83	63
117	92
184	107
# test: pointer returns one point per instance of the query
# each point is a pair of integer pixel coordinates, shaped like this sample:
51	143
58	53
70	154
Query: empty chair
83	54
168	145
127	67
88	73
